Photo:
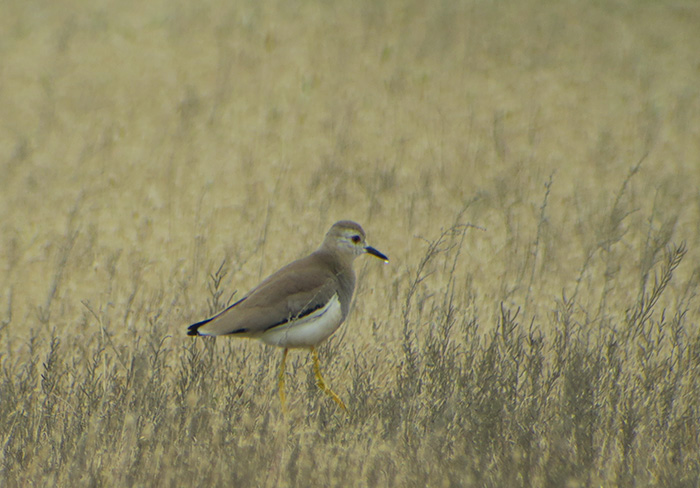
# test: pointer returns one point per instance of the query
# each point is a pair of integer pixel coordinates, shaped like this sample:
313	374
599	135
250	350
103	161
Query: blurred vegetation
531	170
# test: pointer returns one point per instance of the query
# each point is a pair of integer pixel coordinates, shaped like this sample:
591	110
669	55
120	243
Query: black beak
374	252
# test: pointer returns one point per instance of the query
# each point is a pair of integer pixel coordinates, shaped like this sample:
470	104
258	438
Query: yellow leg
322	384
281	380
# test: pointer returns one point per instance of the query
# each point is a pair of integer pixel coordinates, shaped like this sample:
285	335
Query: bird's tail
193	330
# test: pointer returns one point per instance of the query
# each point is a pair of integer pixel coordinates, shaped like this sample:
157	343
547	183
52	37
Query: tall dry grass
531	170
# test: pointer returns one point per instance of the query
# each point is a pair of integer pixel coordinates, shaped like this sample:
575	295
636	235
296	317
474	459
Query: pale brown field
531	168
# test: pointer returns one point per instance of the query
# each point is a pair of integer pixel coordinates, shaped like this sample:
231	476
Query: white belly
307	331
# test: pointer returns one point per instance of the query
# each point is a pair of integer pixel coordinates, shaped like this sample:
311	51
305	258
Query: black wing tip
193	330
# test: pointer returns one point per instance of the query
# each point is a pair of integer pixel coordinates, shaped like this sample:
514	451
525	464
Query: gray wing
294	291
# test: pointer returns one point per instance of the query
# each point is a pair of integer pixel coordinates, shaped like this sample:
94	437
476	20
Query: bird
302	304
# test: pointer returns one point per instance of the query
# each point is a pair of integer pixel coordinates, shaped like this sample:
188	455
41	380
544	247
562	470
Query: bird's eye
356	239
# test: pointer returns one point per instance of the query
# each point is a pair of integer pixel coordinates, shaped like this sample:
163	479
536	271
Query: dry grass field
531	168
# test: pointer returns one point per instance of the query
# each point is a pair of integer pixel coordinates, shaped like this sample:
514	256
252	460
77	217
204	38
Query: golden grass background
143	145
